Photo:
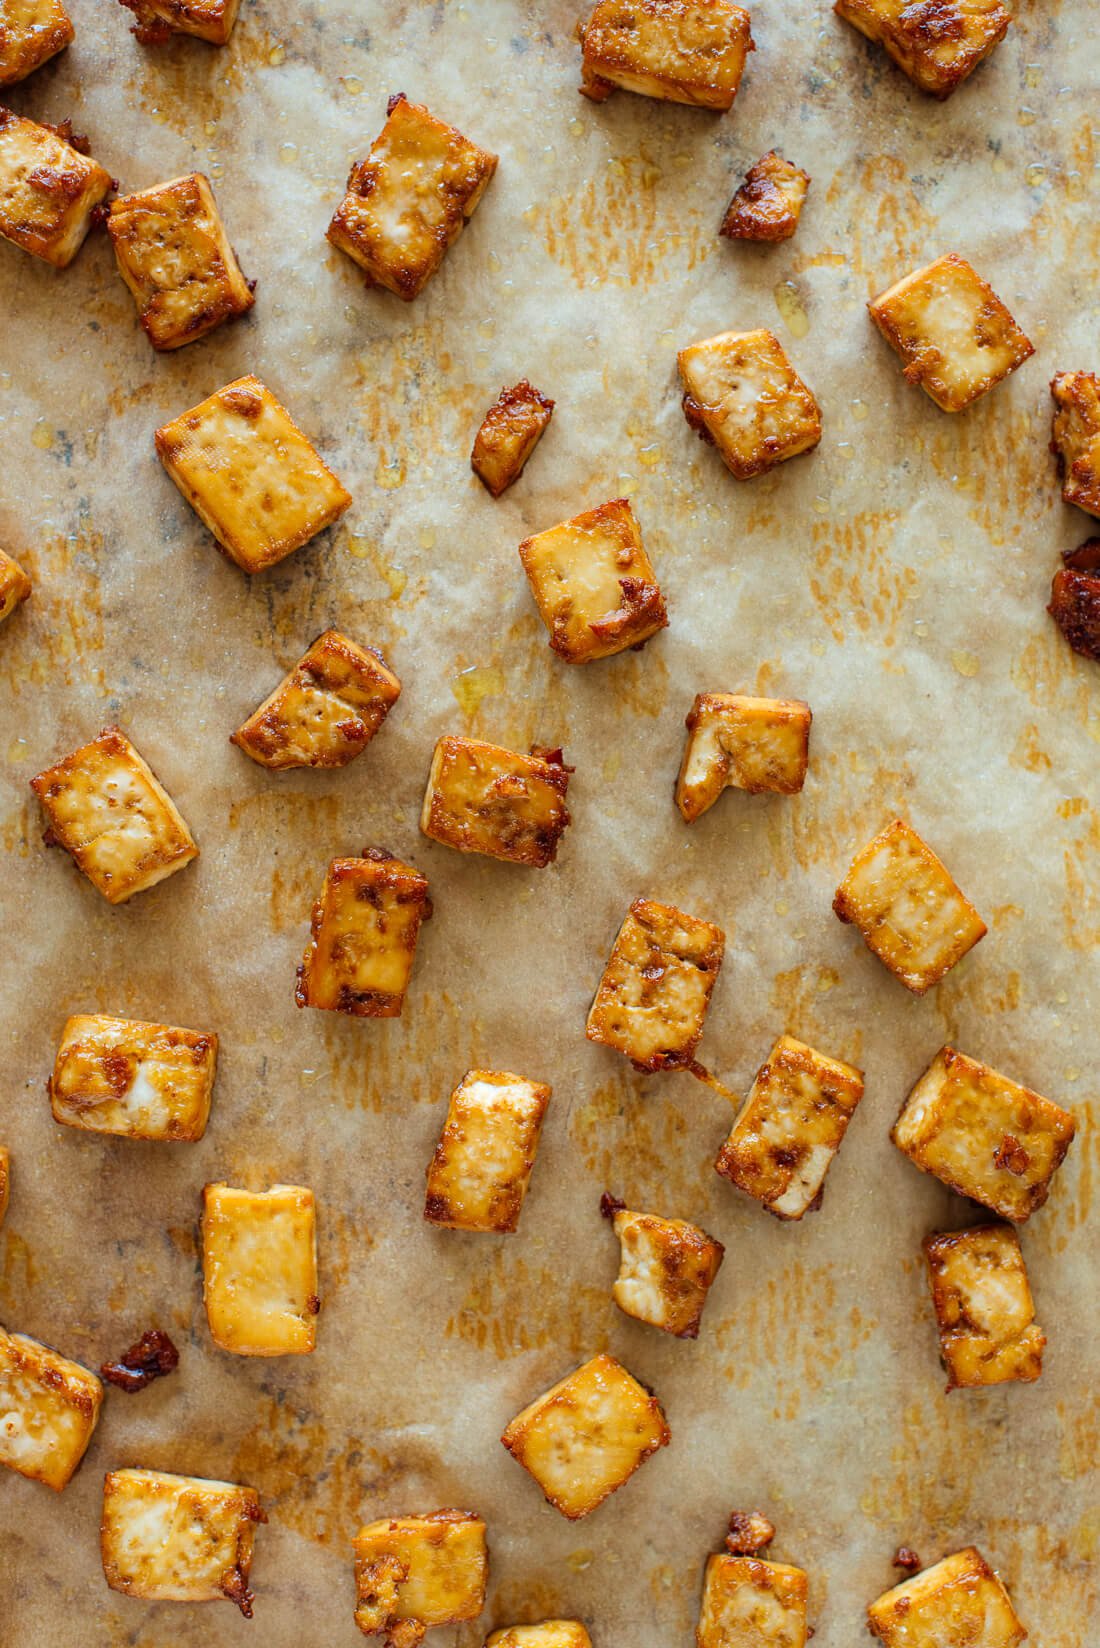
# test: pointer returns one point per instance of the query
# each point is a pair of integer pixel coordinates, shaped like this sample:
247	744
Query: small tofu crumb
482	1165
742	394
769	203
681	53
984	1308
752	744
413	1573
168	1538
750	1533
509	433
957	1601
653	997
1075	599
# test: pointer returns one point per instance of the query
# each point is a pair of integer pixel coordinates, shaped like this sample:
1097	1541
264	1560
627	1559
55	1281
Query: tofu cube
551	1633
666	1269
259	1269
484	799
109	811
363	935
15	586
656	988
957	1601
168	1538
594	584
174	255
159	20
325	712
409	201
250	474
413	1573
681	53
983	1135
1075	598
769	203
482	1165
587	1435
31	32
984	1308
753	744
750	1603
48	190
955	336
937	43
136	1080
742	394
509	433
5	1180
908	910
790	1127
1075	437
48	1410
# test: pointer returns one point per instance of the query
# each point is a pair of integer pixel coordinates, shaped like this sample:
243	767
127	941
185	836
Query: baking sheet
895	579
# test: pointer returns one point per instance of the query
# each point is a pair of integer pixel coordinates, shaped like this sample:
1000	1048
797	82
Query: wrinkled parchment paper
896	579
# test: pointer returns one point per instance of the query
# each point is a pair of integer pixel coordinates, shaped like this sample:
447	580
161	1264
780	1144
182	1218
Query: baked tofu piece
48	1410
49	190
15	586
955	336
957	1603
550	1633
983	1135
484	799
666	1269
168	1538
363	936
790	1127
325	712
410	199
482	1165
109	811
909	912
656	988
587	1435
594	584
937	43
769	203
682	51
509	433
250	474
984	1308
31	32
5	1180
413	1573
259	1269
742	394
158	20
1075	598
1075	437
753	744
174	255
136	1080
750	1603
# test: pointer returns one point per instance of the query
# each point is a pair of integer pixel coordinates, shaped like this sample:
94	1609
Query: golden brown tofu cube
170	1538
325	712
666	1269
363	936
908	910
955	336
984	1308
413	1573
31	32
259	1269
113	817
48	1410
959	1601
790	1127
983	1135
48	189
482	1165
510	431
15	586
158	20
1075	437
410	199
682	51
937	43
742	394
769	203
594	584
250	474
549	1633
484	799
587	1435
5	1180
656	988
136	1080
753	744
750	1603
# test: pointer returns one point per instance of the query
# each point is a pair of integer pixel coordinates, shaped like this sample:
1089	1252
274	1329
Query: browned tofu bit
1075	598
31	32
413	1573
49	1408
656	988
166	1538
594	584
15	586
666	1269
363	935
752	744
682	51
769	203
1075	437
510	431
957	1603
325	712
158	20
984	1308
49	188
484	799
750	1532
937	43
478	1177
742	394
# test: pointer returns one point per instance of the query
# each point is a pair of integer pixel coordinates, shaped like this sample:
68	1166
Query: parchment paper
896	579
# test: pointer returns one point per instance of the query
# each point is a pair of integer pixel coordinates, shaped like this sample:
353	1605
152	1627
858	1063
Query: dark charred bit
236	1589
1085	558
252	285
377	855
64	130
151	1358
1075	601
398	97
750	1532
553	757
905	1557
1011	1155
610	1205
